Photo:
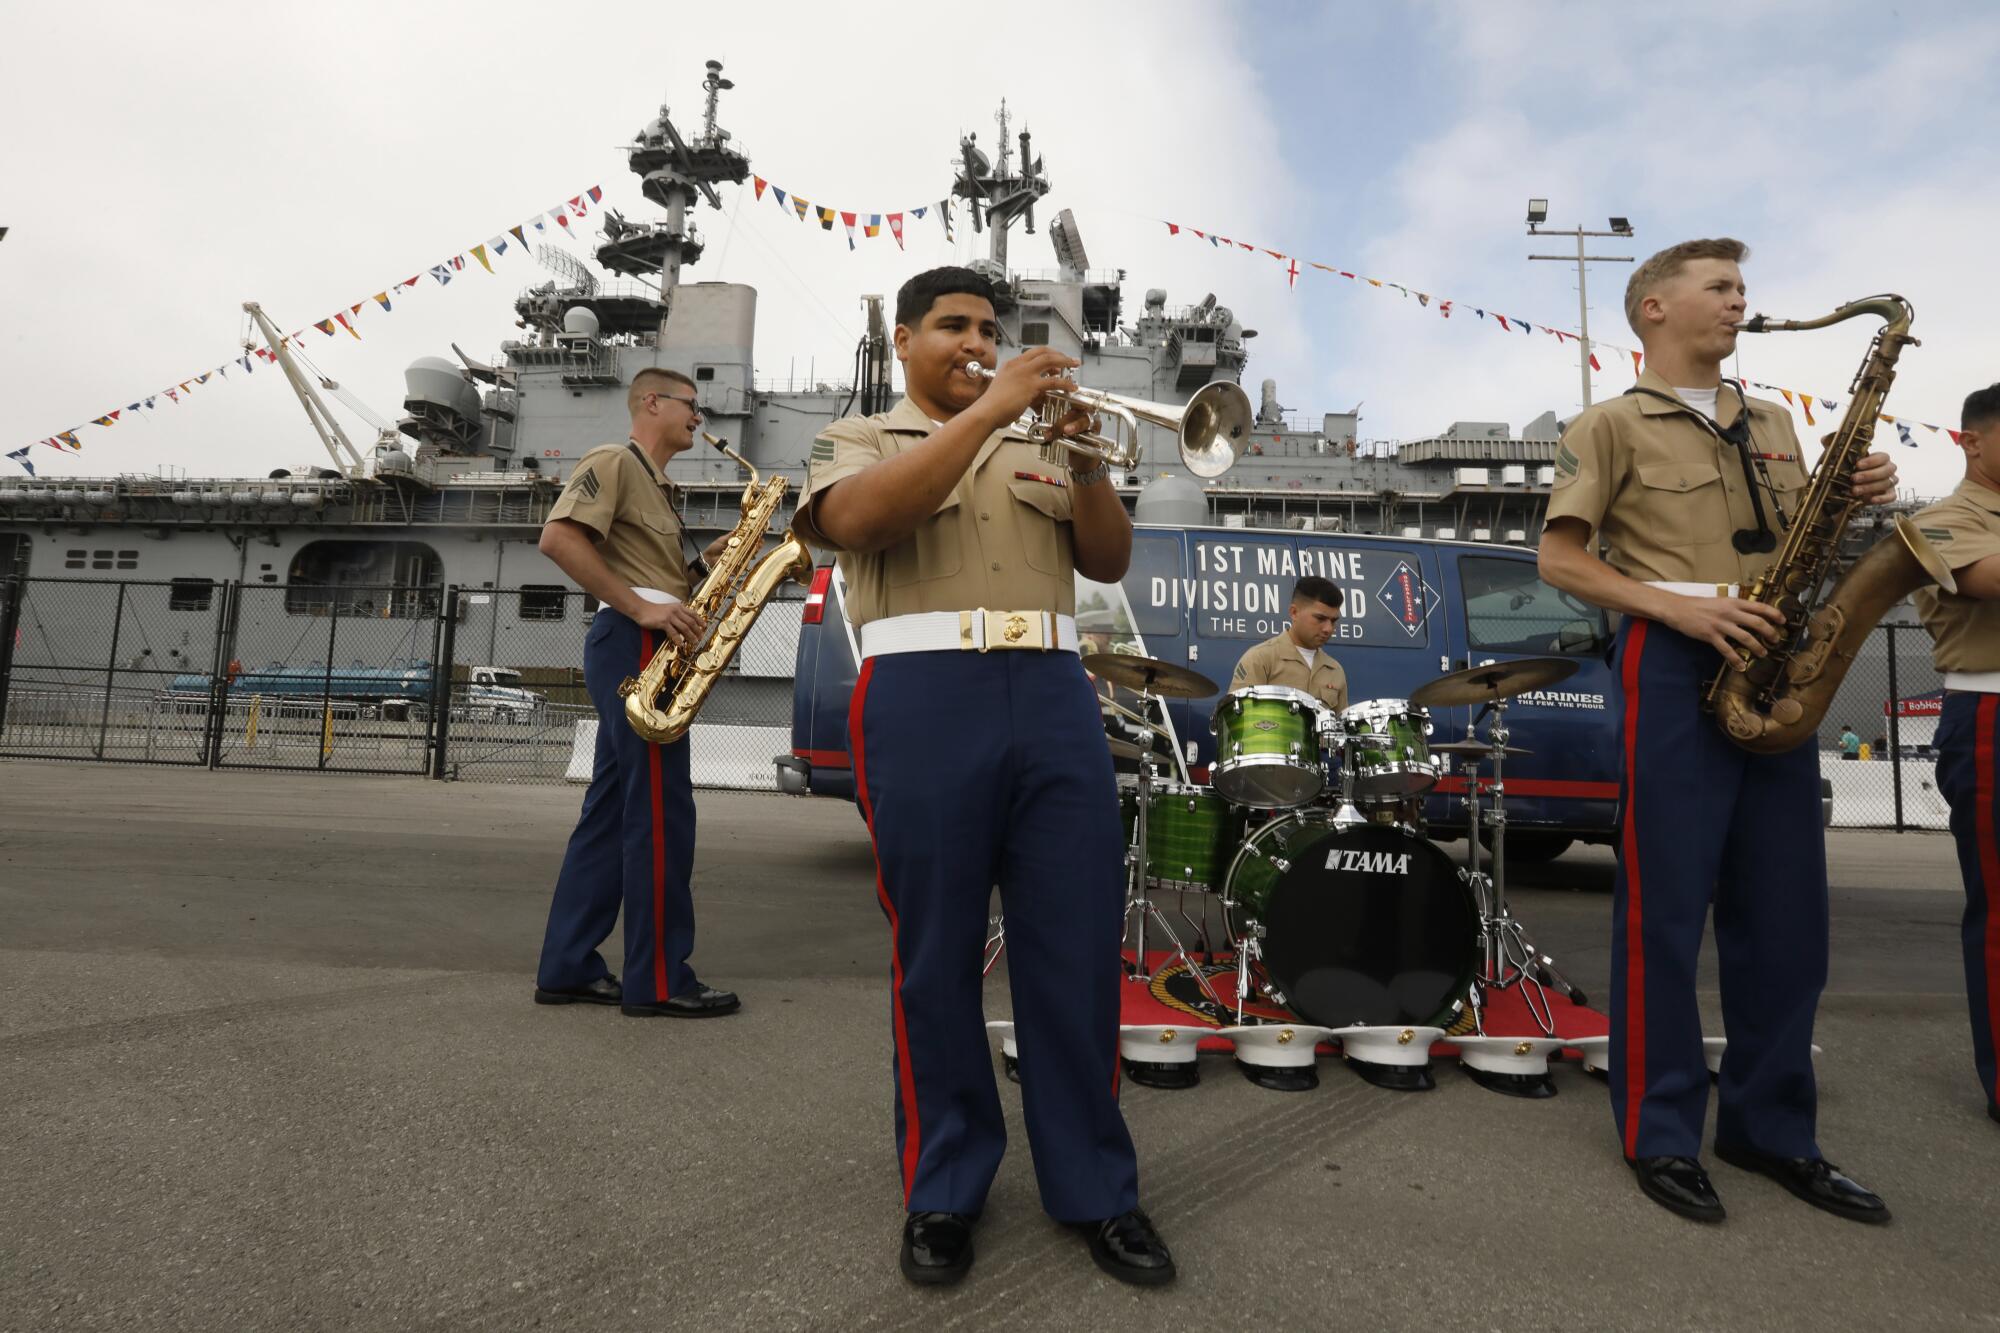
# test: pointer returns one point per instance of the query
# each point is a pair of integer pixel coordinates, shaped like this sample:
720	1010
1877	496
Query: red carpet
1173	997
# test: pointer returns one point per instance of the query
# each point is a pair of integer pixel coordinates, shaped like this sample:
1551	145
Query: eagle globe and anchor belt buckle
985	630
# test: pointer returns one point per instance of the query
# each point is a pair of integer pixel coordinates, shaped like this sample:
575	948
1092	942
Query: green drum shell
1386	750
1267	752
1190	834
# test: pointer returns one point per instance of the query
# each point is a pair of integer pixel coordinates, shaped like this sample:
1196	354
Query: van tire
1527	846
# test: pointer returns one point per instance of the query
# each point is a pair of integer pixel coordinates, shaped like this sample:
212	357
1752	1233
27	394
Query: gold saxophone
1774	703
661	701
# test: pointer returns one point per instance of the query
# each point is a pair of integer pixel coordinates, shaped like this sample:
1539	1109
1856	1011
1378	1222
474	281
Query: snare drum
1191	834
1385	749
1267	750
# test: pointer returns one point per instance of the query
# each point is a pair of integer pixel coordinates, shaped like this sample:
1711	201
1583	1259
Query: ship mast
1003	196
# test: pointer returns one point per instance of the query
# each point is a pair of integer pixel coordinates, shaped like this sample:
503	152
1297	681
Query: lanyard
690	554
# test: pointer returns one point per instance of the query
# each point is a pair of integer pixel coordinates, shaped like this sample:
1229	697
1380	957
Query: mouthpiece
1754	324
973	370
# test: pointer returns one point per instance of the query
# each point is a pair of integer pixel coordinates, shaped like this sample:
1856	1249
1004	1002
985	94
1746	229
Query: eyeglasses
693	405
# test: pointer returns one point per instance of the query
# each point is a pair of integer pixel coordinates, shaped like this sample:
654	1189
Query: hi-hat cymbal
1149	675
1495	680
1475	748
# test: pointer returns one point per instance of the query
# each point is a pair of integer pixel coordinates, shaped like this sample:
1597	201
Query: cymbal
1149	675
1475	748
1495	680
1125	749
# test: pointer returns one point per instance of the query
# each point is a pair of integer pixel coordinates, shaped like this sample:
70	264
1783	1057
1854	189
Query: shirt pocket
1685	504
1044	519
935	550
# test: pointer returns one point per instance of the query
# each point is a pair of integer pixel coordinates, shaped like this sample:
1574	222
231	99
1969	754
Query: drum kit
1310	838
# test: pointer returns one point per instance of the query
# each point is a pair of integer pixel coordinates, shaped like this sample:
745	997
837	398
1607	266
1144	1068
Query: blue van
1415	609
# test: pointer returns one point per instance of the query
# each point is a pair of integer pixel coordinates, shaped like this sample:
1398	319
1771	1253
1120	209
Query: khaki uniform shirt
628	503
1277	662
1665	494
1965	528
1000	540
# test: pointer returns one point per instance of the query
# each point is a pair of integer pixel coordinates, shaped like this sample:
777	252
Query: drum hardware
1471	749
1509	956
1137	887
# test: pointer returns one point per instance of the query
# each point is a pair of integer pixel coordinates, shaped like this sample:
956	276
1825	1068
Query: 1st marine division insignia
1408	599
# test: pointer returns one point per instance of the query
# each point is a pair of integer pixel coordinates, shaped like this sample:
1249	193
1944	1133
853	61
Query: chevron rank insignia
1939	535
1567	463
585	484
822	452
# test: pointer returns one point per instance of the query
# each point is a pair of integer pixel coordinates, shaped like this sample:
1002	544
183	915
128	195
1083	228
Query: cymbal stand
1510	956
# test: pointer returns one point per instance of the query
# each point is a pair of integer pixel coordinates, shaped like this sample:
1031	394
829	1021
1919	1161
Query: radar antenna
568	267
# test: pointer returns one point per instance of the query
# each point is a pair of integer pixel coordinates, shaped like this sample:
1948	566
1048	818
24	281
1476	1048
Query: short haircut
1982	408
1312	588
1668	264
654	379
915	298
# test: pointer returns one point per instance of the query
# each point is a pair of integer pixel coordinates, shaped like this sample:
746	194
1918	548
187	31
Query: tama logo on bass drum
1369	863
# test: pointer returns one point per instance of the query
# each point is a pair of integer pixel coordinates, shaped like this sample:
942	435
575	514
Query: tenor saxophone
661	701
1774	703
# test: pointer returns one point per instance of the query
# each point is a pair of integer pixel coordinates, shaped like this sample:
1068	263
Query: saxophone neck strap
690	553
1747	541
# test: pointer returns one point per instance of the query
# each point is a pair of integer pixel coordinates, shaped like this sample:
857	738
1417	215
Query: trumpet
1210	430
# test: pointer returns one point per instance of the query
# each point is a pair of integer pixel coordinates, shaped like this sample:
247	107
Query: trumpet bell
1215	428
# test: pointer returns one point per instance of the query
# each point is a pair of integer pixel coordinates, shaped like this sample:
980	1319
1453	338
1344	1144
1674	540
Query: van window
1508	609
1153	586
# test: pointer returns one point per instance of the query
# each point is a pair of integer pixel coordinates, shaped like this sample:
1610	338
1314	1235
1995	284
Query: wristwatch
1092	477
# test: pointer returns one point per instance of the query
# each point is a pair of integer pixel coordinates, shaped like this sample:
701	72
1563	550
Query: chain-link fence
476	685
1876	743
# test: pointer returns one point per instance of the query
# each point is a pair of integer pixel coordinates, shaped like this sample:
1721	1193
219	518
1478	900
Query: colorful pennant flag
342	321
479	253
896	228
382	299
21	456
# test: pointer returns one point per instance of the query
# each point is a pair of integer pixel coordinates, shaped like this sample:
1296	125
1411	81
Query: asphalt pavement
268	1060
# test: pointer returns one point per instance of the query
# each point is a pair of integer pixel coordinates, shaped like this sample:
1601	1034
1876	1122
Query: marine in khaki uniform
616	532
1965	628
1298	657
1688	485
979	759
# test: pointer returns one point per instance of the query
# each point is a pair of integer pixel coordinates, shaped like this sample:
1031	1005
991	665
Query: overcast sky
163	166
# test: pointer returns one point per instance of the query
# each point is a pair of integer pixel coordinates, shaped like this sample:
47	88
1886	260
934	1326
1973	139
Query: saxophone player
616	532
1965	631
974	732
1687	483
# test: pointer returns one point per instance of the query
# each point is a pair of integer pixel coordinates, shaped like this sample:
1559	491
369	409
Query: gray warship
453	495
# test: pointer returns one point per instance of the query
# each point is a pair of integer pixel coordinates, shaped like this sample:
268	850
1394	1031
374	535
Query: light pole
1538	213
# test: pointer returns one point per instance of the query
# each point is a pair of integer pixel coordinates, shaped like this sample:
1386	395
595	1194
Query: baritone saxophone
661	701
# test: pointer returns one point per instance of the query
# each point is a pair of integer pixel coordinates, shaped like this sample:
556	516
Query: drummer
1298	657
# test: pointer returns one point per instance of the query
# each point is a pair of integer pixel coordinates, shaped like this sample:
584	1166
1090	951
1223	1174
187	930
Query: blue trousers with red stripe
1968	776
976	769
633	845
1705	822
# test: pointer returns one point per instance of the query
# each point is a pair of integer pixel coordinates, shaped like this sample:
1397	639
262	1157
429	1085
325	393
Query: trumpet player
1689	484
978	760
1965	630
616	532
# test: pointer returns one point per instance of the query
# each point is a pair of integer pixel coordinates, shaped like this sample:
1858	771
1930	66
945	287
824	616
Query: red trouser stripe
660	991
1989	863
1635	952
906	1080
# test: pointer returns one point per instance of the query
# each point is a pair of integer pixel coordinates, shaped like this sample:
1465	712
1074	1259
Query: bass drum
1365	925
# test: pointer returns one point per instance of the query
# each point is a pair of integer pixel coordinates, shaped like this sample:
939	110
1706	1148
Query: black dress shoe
604	990
1679	1185
937	1248
1127	1247
1813	1179
701	1001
